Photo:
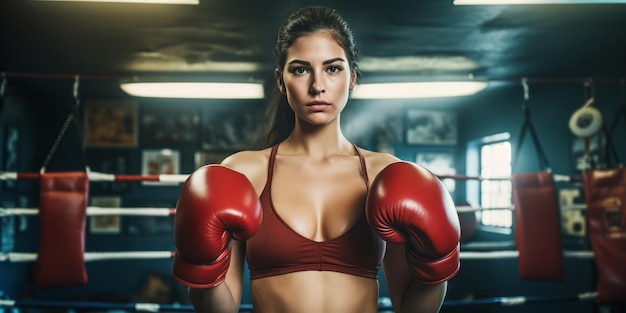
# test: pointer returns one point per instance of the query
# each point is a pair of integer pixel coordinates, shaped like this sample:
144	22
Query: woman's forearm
422	298
218	299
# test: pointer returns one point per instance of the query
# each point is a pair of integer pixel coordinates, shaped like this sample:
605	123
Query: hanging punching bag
537	230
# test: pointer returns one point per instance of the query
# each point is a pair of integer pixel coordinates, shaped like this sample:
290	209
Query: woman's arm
407	294
411	210
225	297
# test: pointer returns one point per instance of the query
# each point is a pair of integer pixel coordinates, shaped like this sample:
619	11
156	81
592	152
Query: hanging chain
70	117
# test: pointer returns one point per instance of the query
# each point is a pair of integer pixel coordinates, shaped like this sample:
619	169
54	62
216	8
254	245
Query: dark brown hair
279	118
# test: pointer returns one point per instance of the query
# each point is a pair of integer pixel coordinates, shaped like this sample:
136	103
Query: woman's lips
318	106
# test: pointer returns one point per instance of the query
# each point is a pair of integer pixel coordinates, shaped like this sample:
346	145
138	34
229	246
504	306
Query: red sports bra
277	249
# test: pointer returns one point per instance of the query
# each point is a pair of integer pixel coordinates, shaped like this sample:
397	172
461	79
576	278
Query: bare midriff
315	292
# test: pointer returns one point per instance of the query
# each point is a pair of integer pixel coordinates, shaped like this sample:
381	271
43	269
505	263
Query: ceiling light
417	90
194	90
417	63
523	2
191	2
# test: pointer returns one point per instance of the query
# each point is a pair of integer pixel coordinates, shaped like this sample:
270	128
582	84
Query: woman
314	250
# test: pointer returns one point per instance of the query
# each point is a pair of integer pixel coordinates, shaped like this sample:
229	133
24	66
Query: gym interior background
542	65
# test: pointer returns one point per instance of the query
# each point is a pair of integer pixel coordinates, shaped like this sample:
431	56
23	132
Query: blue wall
493	111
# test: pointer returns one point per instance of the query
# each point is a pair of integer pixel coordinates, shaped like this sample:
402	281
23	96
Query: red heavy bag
62	212
537	227
605	196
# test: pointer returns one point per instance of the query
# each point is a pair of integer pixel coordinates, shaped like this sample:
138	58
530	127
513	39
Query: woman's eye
300	70
334	69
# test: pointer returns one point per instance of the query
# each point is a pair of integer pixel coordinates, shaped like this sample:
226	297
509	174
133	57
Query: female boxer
298	212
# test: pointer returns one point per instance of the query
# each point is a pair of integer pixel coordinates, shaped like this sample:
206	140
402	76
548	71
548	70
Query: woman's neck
317	141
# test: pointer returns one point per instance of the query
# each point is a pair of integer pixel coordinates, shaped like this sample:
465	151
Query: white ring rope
146	211
565	207
475	255
18	257
467	208
98	211
104	177
180	178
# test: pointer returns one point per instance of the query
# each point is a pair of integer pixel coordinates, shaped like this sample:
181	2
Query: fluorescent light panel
189	2
417	90
195	90
526	2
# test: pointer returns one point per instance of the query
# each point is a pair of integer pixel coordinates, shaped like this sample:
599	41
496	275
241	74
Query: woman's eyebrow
333	61
300	62
309	63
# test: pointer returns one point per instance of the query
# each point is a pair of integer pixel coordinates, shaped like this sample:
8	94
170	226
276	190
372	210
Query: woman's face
316	78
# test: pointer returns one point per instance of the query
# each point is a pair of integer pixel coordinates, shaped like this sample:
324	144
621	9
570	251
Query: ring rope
383	305
475	255
97	211
147	211
180	178
104	177
17	257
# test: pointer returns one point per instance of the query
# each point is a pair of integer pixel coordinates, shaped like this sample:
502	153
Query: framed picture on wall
231	130
105	224
439	163
423	127
169	125
202	158
160	162
387	133
110	123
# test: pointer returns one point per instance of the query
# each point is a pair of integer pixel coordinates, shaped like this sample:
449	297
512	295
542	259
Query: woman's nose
317	86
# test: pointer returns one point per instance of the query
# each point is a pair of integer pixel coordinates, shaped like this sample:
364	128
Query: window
495	162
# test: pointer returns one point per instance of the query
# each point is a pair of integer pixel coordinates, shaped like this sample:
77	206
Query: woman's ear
352	80
278	75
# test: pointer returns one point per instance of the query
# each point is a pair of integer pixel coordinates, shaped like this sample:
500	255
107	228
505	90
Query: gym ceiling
421	40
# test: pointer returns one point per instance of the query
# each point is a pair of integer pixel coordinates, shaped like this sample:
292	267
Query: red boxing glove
215	204
408	204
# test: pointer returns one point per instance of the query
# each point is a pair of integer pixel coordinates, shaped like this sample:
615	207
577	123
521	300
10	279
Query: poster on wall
230	130
160	162
439	163
387	134
105	224
110	123
424	127
169	125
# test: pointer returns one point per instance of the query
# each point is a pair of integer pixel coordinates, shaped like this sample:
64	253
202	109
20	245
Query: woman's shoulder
252	163
377	161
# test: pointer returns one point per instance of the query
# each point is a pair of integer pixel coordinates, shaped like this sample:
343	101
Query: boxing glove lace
215	205
408	204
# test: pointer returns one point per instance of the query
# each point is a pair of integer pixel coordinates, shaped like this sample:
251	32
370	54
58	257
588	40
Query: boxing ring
384	303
